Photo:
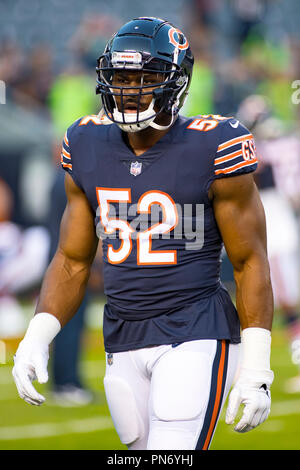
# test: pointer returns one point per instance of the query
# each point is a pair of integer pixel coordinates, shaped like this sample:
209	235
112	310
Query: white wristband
256	349
43	328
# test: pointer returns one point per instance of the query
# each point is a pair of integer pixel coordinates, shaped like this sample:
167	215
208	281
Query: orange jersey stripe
218	397
236	167
66	154
230	156
67	165
237	140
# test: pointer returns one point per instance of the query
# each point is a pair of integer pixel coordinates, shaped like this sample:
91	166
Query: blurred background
247	64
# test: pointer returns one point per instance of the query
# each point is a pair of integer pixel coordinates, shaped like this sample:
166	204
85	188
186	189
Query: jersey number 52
145	254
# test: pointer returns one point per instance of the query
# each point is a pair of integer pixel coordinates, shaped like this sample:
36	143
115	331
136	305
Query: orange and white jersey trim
65	156
236	140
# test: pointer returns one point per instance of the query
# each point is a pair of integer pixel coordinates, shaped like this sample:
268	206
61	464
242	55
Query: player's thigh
188	388
127	392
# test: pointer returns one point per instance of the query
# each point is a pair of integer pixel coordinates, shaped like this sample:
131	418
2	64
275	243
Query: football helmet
145	46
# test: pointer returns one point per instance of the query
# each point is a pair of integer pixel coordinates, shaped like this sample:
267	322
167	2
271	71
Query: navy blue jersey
161	244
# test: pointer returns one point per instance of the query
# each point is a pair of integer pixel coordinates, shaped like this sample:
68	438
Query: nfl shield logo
110	359
136	168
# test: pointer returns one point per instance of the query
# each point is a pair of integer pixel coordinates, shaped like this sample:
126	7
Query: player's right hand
30	363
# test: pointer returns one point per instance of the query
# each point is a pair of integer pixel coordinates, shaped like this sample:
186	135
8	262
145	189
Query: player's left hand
30	363
252	390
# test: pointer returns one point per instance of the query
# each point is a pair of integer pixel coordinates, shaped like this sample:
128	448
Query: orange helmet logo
174	37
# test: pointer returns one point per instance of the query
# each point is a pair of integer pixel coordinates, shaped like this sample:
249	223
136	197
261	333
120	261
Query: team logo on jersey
175	35
110	359
136	168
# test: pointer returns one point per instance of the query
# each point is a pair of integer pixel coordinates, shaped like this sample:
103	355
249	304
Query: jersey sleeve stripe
65	165
65	146
228	157
66	141
234	141
233	168
66	154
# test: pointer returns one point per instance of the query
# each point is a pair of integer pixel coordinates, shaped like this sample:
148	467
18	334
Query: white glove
252	388
31	358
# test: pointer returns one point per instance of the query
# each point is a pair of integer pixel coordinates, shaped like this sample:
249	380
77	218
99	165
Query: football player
164	193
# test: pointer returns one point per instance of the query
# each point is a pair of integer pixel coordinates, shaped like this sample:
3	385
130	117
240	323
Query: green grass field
23	426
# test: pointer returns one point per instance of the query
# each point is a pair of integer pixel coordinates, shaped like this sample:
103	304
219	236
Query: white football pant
171	396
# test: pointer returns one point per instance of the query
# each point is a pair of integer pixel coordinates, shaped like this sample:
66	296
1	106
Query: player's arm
64	283
61	293
240	217
241	220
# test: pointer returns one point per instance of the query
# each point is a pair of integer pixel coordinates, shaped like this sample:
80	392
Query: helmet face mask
142	74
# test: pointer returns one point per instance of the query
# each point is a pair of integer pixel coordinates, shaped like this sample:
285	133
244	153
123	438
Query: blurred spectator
12	61
23	260
72	95
231	21
32	84
273	77
289	11
253	48
25	130
91	36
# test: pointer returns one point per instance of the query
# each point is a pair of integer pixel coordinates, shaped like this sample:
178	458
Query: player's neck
141	141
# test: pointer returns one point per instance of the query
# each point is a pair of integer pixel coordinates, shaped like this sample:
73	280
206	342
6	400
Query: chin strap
161	128
136	127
